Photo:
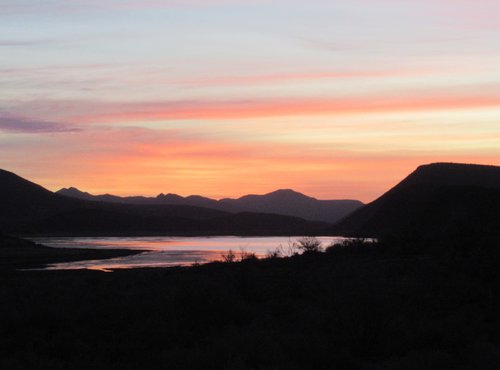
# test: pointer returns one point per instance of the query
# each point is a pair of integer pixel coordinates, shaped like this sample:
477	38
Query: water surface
167	251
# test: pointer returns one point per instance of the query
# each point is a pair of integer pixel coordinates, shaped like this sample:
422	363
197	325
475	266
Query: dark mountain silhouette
76	193
22	200
289	202
439	198
27	208
284	202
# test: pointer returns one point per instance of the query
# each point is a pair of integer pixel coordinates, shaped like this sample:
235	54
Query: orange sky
224	98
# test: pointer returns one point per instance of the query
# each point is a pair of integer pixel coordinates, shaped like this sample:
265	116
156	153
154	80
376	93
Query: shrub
309	244
276	253
352	245
229	257
247	256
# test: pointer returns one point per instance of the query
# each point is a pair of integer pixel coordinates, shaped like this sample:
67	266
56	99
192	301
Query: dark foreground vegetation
400	304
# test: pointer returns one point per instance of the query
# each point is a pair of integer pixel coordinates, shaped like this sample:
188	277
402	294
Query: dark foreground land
385	307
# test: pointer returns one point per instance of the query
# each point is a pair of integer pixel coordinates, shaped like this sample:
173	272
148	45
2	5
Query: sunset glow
224	98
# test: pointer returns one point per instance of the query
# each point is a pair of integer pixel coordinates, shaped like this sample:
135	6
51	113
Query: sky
335	99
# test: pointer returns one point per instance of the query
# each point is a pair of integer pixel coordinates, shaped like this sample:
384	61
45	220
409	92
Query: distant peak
288	193
285	191
74	192
168	196
71	189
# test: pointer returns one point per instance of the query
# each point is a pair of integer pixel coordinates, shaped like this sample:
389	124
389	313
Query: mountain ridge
282	201
27	208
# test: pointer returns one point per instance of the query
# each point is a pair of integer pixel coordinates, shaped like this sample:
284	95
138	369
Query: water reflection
166	251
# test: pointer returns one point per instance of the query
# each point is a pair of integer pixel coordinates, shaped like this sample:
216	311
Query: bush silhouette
229	257
309	244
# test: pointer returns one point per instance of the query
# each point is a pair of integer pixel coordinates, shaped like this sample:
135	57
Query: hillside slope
445	198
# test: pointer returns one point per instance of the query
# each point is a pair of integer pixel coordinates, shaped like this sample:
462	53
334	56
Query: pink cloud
98	112
290	77
244	109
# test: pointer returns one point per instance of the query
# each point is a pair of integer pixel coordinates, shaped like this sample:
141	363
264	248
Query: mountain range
438	199
284	202
28	208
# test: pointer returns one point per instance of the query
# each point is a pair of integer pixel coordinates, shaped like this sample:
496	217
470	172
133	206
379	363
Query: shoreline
19	254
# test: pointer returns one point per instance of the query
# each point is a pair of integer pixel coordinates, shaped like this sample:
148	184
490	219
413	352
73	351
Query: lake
168	251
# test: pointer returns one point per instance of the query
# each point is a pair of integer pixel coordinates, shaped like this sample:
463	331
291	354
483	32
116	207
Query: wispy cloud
49	113
16	42
291	77
31	126
19	7
257	108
